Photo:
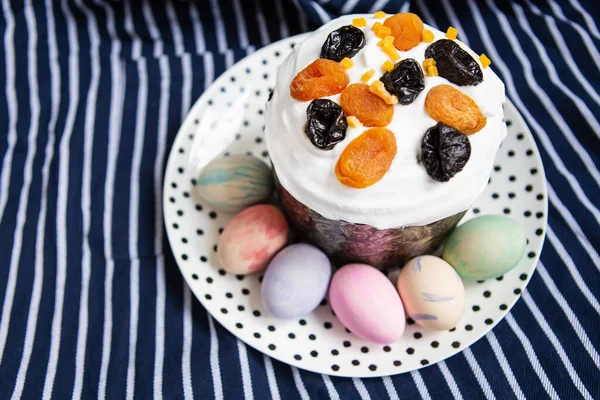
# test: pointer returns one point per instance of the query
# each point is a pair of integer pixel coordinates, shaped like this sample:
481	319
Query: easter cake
382	132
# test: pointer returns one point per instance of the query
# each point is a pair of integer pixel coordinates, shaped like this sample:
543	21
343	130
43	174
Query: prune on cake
343	42
405	80
326	125
454	63
444	151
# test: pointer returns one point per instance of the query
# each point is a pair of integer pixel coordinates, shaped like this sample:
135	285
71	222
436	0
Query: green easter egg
485	247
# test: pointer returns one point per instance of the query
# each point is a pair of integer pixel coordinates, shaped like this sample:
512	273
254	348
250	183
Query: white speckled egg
432	293
232	183
485	247
295	281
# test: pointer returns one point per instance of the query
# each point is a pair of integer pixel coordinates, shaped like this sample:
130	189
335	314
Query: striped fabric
93	305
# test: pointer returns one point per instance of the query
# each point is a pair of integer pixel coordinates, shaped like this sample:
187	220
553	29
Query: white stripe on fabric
134	202
545	100
199	40
348	6
510	377
565	52
361	389
186	354
568	261
215	369
114	134
573	320
533	359
405	7
420	384
136	46
450	380
118	82
574	226
333	394
175	29
302	16
262	24
564	358
481	379
389	388
283	26
552	73
241	24
163	115
541	133
219	26
325	18
32	317
152	29
378	6
34	105
455	21
245	369
426	13
591	26
61	204
271	378
12	105
86	200
299	384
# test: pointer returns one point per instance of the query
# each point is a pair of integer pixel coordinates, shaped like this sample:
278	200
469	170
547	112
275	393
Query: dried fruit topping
380	14
369	108
451	33
405	80
367	158
326	125
380	30
444	152
427	36
432	71
387	66
319	79
347	63
485	61
454	63
366	77
353	122
359	22
446	104
387	45
343	42
378	89
428	62
406	29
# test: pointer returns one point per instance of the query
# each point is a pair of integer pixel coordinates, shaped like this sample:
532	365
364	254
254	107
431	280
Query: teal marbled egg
230	184
485	247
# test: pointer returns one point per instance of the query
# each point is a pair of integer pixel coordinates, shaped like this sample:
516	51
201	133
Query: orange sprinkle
432	71
359	22
380	14
388	66
485	61
347	63
376	26
428	62
378	89
383	31
451	33
366	77
353	122
427	36
392	52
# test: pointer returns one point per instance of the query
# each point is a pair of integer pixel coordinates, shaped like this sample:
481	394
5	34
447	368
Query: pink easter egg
251	239
367	303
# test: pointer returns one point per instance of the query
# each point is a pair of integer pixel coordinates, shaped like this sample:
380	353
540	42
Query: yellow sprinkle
380	14
392	52
354	122
427	36
378	89
389	39
346	63
485	61
376	26
388	66
428	62
366	77
359	22
432	71
383	31
451	33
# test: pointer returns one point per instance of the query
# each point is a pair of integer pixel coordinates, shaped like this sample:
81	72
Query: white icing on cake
406	196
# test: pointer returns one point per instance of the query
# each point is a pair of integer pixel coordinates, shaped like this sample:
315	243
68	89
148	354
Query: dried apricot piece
454	108
370	109
407	29
367	158
321	78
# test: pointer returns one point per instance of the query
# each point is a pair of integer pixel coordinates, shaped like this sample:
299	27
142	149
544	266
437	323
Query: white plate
318	342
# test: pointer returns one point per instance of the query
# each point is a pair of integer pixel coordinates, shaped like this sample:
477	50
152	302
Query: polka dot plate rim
318	342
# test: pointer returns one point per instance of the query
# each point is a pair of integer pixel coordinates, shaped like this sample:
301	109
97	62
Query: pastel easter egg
295	281
485	247
233	183
432	293
251	239
367	303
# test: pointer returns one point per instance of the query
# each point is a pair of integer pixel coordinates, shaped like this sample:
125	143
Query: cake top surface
406	195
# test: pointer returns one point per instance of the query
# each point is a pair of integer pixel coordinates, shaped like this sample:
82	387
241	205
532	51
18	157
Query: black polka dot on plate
208	297
209	280
175	226
334	352
452	330
193	182
523	277
256	313
511	195
298	357
397	363
500	278
410	350
240	277
495	195
180	213
503	307
364	349
347	343
257	335
435	344
184	257
195	277
528	188
533	171
531	254
198	207
487	294
476	210
506	211
224	310
180	170
539	215
291	335
222	272
215	248
272	347
410	321
418	335
302	322
527	213
172	199
476	308
497	168
204	259
241	308
373	367
511	153
456	345
228	295
539	231
271	328
312	337
529	153
512	178
245	292
335	367
239	326
314	353
265	154
540	197
517	291
327	325
212	214
469	327
424	362
355	362
199	232
489	321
